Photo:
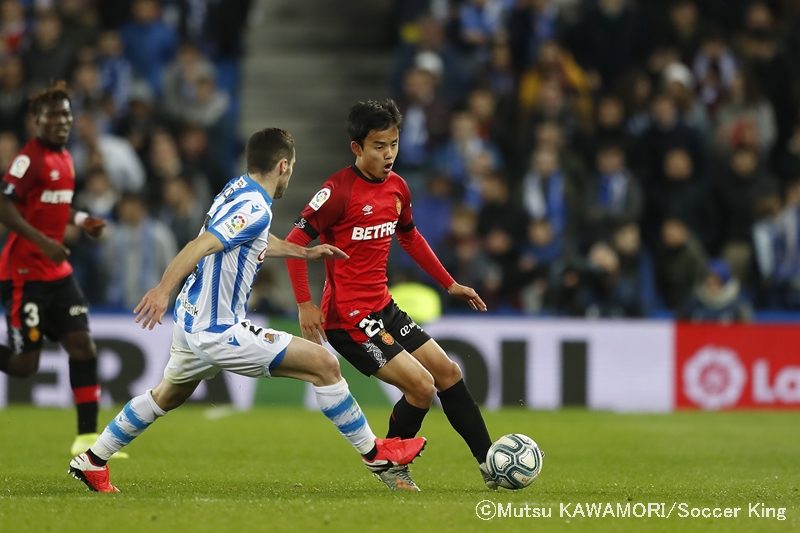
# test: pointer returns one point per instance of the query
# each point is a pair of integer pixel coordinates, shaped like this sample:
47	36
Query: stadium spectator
714	68
98	194
460	156
116	73
181	77
737	192
502	225
614	195
182	211
204	172
427	118
681	263
679	84
432	42
136	251
536	257
13	27
49	56
636	288
13	96
682	191
463	254
776	238
115	154
548	193
718	298
150	44
608	37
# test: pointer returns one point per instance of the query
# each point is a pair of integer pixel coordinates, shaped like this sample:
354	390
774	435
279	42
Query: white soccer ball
514	460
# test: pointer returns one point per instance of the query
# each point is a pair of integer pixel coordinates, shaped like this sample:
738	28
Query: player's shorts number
371	326
31	311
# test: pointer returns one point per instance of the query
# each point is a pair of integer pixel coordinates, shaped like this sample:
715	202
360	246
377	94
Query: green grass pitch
286	469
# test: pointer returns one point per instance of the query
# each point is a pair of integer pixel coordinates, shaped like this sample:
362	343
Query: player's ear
356	148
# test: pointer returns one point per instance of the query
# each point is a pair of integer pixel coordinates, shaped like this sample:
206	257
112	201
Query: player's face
283	179
54	122
376	157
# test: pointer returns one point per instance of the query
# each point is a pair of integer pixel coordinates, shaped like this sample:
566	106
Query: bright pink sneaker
95	477
395	452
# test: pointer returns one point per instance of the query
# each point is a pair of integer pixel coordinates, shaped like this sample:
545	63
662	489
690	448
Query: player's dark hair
54	94
267	147
372	115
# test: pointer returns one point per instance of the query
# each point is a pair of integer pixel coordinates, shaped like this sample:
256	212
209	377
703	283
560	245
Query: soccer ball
514	460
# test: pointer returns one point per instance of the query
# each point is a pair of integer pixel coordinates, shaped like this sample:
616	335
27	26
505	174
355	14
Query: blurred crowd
606	158
602	158
154	89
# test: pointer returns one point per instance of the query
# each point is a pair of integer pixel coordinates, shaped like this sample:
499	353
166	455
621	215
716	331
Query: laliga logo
714	378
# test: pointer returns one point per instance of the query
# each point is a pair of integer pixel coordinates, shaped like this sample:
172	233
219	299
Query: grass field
286	469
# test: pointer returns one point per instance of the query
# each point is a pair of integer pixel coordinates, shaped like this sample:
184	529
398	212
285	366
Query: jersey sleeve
323	210
405	221
21	175
240	225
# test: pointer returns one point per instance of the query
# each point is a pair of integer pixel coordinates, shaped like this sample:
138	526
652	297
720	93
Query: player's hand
311	322
93	226
467	294
151	307
326	251
54	250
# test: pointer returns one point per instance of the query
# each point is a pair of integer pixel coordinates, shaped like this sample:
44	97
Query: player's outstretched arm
280	248
11	218
468	294
154	303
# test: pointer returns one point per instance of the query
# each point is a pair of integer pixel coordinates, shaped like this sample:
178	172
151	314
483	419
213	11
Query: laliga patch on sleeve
320	198
20	166
234	225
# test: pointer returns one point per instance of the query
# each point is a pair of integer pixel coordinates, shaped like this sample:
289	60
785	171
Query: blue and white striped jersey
215	295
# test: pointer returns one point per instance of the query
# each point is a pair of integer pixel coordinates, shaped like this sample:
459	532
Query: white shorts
242	349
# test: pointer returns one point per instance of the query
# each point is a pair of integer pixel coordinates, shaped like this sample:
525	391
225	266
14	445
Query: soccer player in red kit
37	288
359	209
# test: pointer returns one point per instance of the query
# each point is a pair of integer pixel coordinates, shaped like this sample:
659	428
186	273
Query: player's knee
422	391
80	347
327	369
449	375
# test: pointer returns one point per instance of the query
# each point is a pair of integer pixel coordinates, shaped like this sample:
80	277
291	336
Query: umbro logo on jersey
367	210
233	342
255	208
55	175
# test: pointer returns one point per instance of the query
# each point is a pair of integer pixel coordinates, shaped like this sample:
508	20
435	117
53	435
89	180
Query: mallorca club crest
386	337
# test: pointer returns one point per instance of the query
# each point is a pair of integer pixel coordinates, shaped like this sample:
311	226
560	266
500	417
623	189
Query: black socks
405	420
465	417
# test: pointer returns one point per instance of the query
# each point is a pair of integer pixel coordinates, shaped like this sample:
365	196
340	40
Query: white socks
336	403
135	417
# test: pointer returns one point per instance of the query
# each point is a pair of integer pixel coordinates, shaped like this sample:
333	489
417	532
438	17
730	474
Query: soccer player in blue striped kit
211	332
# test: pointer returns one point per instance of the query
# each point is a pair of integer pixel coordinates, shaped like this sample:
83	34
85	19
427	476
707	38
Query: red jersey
359	216
41	182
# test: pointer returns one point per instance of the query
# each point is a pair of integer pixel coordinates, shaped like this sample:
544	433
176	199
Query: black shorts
38	308
378	338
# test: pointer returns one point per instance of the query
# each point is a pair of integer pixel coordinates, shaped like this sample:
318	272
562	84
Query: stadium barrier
651	366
